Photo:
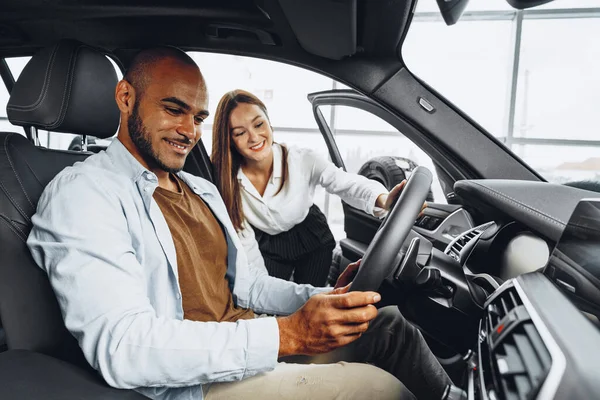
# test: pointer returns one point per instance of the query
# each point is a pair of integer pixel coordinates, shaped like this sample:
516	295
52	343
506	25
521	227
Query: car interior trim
459	218
559	362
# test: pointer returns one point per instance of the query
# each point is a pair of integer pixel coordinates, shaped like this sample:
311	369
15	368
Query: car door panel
361	227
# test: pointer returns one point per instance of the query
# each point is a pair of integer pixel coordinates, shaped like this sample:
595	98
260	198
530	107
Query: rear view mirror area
452	10
522	4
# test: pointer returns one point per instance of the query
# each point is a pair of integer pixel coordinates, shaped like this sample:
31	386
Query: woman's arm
358	191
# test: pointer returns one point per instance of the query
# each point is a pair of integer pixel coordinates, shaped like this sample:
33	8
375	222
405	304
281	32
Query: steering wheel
378	261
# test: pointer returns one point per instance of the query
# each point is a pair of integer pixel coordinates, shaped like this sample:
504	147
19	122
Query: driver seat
68	87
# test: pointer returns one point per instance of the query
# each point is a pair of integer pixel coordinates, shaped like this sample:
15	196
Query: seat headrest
69	87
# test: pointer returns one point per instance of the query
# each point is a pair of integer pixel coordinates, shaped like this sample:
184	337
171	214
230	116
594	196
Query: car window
362	137
5	125
282	87
529	77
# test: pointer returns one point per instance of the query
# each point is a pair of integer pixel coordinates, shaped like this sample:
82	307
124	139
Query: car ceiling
311	33
355	42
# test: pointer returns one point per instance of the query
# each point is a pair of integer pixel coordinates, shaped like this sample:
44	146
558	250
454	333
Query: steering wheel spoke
378	261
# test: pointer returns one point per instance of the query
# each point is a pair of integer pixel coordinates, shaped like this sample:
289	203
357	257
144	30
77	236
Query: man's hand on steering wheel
349	273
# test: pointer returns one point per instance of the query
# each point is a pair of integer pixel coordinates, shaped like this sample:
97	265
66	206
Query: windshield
531	78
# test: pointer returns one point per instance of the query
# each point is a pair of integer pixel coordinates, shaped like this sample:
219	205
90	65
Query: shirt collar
124	161
130	167
277	156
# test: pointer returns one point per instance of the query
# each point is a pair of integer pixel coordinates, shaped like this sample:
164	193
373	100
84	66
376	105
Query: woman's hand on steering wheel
380	258
387	201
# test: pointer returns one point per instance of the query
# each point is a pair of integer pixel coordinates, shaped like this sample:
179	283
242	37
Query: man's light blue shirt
111	261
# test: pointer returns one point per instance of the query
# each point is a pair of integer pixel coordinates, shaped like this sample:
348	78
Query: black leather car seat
68	87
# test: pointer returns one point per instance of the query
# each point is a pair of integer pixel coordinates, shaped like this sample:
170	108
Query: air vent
456	247
515	360
502	306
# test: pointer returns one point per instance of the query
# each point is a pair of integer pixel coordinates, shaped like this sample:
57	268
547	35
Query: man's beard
141	138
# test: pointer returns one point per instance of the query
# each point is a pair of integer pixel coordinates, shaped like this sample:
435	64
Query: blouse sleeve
354	189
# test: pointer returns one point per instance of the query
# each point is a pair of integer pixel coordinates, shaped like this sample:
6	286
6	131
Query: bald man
153	281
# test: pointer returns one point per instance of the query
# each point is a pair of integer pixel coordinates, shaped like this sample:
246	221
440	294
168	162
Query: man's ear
125	96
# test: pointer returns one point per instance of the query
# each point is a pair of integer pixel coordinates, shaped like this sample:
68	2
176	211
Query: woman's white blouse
274	214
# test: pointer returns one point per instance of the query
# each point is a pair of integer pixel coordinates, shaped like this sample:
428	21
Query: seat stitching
15	171
11	226
12	200
16	226
16	149
67	92
47	77
522	205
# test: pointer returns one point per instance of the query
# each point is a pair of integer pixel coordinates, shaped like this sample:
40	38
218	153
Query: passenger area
68	87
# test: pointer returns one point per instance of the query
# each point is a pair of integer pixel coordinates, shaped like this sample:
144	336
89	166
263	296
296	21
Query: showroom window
528	77
556	127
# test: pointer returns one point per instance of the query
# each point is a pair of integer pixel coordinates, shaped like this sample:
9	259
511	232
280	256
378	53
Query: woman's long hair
225	158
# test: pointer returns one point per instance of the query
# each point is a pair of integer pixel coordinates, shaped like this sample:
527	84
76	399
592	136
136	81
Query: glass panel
16	65
360	136
502	5
558	89
460	62
6	126
282	87
474	5
570	4
562	164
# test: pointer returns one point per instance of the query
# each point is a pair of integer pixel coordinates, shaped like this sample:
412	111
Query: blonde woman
268	189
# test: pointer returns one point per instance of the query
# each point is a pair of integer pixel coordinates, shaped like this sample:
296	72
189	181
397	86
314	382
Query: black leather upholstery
545	207
28	375
69	88
28	308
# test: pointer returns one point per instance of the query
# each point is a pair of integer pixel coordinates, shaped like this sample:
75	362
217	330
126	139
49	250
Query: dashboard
534	267
510	283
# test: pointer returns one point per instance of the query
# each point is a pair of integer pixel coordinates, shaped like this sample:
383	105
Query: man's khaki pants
369	368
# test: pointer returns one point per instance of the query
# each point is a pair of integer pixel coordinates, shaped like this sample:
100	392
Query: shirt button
178	296
146	189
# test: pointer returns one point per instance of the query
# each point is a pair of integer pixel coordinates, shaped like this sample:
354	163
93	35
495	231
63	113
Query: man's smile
178	147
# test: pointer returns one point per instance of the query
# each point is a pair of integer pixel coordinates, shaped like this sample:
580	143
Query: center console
533	343
515	352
